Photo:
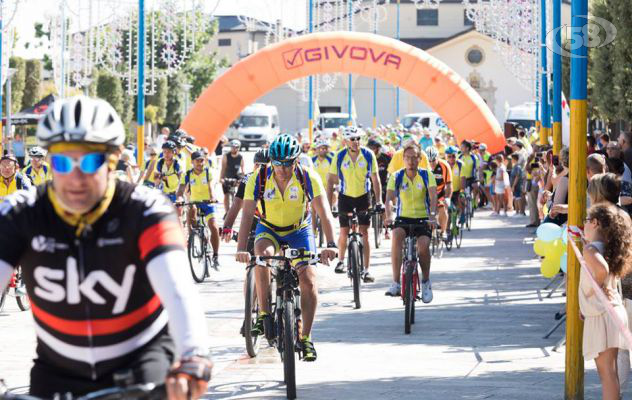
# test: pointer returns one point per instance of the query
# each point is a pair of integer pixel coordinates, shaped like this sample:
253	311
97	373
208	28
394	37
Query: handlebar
354	212
191	203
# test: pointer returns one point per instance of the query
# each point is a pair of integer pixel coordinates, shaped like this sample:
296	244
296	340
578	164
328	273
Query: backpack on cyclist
30	169
303	179
399	180
187	178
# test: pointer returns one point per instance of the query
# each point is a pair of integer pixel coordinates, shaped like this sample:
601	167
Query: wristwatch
332	245
196	352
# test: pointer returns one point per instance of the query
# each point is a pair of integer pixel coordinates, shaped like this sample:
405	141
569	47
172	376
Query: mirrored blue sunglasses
88	164
277	163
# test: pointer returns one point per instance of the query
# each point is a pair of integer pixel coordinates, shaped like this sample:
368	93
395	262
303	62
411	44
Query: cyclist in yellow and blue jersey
451	154
168	171
397	162
284	192
323	158
355	169
10	179
469	171
414	191
38	171
198	181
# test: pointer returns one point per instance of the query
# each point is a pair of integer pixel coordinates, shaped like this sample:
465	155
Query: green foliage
151	114
17	83
32	85
603	100
175	101
109	88
159	100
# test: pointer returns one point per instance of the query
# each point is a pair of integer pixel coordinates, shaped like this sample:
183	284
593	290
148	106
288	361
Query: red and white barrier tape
575	231
601	296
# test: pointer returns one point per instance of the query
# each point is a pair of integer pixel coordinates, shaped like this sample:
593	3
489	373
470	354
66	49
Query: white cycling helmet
351	132
320	142
81	119
37	152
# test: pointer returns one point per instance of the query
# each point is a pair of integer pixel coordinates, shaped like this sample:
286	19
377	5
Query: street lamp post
557	78
140	100
350	94
310	111
397	88
544	97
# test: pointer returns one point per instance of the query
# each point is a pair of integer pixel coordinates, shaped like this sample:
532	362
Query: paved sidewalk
481	337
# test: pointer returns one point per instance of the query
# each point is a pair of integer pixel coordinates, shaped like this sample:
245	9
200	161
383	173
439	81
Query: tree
109	89
32	85
603	102
17	83
159	100
621	17
175	100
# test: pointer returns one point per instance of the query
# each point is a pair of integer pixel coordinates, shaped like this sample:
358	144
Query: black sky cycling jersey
91	297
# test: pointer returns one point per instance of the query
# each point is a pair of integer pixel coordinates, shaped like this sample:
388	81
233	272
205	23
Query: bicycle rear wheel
3	298
197	262
433	242
356	273
409	304
459	235
251	311
289	340
321	235
468	216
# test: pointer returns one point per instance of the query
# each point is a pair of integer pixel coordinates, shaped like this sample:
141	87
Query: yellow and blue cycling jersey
288	208
39	177
199	186
323	166
413	197
456	171
18	182
397	162
171	172
355	177
469	167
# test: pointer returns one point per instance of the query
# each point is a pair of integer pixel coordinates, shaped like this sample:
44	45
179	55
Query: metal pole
557	78
350	94
544	98
538	125
574	374
311	79
140	105
397	88
374	80
1	130
8	105
62	93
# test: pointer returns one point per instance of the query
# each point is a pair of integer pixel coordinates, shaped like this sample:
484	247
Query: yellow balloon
550	266
556	249
540	247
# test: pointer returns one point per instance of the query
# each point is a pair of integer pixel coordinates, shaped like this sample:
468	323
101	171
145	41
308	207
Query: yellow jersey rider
198	181
38	171
10	179
168	171
355	169
414	190
284	191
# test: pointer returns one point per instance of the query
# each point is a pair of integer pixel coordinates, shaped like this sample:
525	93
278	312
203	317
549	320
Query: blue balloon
565	237
564	262
549	232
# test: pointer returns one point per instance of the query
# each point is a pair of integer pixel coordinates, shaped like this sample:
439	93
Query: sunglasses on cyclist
354	139
88	164
278	163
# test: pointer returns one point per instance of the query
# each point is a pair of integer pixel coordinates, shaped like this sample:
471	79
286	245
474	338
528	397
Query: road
480	338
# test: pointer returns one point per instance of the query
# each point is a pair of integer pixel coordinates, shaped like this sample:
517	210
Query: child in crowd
608	231
502	182
516	179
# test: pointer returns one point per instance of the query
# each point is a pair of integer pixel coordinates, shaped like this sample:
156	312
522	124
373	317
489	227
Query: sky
292	12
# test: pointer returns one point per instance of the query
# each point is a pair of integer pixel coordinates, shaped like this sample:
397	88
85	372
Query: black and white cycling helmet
432	154
169	145
37	152
81	119
351	132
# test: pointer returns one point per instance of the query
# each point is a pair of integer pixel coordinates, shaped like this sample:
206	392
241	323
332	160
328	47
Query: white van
429	120
523	114
329	123
257	124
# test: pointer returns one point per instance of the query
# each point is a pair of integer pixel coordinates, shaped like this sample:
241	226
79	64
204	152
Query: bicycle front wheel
409	299
356	271
197	260
3	298
377	230
23	300
251	311
459	235
289	340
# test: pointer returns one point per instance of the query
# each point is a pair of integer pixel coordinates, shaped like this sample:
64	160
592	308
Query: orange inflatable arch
380	57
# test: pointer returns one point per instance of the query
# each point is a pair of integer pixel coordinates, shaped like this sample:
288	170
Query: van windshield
334	122
408	122
256	121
